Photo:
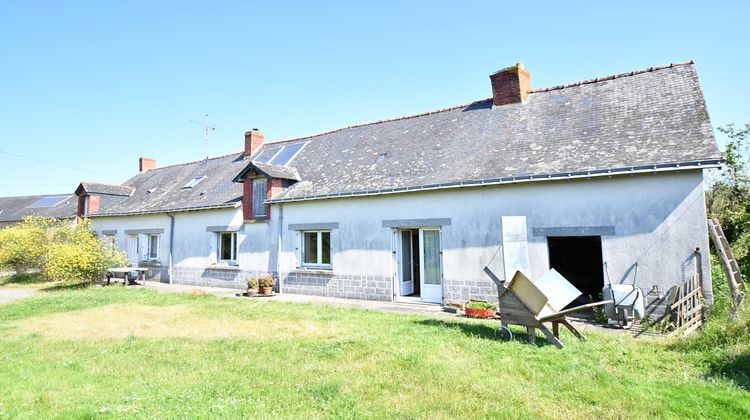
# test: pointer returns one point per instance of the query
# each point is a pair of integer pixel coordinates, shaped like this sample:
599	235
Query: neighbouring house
59	206
600	179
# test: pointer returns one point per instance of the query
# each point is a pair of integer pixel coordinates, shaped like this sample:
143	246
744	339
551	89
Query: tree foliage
728	199
61	251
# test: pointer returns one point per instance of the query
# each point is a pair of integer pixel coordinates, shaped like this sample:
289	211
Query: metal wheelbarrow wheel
504	333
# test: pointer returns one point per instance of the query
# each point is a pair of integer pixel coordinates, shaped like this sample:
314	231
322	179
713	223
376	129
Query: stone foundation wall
229	277
156	271
341	286
463	290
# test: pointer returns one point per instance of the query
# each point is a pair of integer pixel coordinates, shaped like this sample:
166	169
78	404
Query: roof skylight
279	155
48	201
193	182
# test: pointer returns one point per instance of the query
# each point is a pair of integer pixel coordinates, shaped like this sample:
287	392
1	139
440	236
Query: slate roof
272	171
14	209
160	190
643	120
648	120
107	189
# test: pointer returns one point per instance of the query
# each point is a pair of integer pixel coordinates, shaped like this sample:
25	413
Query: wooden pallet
731	268
688	309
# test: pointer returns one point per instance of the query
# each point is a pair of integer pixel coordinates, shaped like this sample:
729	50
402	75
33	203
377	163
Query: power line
32	185
62	165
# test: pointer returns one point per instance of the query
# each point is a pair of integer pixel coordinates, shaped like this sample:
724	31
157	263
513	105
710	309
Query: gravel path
10	295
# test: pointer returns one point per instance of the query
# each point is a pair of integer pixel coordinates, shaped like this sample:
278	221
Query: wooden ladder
731	268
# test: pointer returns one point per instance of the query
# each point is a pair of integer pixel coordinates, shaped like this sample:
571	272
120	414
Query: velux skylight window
193	182
279	155
48	201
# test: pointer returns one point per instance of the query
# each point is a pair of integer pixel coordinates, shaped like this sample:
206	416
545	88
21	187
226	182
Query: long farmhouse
597	179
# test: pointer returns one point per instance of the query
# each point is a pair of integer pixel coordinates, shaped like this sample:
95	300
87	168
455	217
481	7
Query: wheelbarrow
532	304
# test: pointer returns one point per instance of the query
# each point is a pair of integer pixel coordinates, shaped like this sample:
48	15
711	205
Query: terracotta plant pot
266	290
252	292
479	313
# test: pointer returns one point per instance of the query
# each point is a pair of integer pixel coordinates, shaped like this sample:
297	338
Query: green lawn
116	352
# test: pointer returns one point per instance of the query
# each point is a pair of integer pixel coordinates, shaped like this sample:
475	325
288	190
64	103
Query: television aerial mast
207	128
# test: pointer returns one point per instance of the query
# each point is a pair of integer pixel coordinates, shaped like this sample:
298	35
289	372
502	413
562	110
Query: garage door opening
579	259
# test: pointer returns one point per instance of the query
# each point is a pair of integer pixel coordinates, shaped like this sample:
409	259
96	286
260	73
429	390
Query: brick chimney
146	164
511	85
253	142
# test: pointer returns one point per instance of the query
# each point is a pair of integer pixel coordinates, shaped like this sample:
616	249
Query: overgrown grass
338	362
723	346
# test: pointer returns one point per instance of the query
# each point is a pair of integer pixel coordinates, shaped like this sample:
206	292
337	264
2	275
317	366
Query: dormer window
193	182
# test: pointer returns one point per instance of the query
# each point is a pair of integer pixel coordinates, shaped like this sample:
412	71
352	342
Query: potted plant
252	286
479	309
454	307
266	283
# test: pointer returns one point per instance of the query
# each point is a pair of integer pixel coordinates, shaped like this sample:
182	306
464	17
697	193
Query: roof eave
172	210
704	164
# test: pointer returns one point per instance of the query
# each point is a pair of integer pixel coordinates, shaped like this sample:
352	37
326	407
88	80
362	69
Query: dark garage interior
579	259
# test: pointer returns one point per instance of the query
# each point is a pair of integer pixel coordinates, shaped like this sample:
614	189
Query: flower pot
479	313
266	290
252	292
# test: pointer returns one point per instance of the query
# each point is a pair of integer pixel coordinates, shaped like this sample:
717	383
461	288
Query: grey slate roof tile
160	190
108	189
648	118
14	209
651	117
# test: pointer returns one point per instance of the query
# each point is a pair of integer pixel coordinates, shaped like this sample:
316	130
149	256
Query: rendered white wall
659	220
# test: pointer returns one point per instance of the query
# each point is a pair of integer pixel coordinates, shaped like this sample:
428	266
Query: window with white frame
227	249
152	251
316	248
110	240
260	185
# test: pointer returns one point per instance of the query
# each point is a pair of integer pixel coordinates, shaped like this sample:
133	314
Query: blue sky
94	85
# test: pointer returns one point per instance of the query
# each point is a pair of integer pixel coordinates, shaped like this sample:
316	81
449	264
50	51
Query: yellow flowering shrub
23	246
62	251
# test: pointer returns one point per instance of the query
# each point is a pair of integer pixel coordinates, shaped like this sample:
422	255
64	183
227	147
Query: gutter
279	241
174	210
171	245
668	167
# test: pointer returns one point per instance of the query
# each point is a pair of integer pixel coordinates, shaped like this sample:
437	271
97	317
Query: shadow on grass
28	278
735	368
66	286
483	331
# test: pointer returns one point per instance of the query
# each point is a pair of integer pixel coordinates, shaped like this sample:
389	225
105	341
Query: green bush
60	250
252	283
475	304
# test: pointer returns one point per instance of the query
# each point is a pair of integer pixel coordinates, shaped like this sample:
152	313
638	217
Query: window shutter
259	196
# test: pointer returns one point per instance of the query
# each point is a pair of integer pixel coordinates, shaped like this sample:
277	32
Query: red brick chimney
511	85
253	142
146	164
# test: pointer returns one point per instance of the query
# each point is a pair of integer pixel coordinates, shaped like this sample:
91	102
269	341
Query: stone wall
463	290
342	286
229	277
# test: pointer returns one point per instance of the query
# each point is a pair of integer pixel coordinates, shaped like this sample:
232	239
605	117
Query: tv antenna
206	127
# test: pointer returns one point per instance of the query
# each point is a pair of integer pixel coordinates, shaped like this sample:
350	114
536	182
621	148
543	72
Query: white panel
558	289
515	245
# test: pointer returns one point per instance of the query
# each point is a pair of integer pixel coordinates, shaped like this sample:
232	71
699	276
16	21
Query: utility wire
62	165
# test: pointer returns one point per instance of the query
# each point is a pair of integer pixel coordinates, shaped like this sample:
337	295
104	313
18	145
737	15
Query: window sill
312	270
221	266
263	219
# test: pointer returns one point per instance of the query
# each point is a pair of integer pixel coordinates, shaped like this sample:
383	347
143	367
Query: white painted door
430	271
133	250
407	263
